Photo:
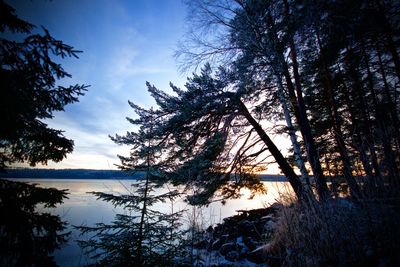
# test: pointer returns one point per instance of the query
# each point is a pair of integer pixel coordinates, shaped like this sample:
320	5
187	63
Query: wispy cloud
92	146
125	44
127	63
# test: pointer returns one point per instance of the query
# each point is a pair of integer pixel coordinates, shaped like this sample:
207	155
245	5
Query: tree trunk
282	162
299	109
302	120
392	107
390	44
360	140
292	133
312	153
143	214
370	139
390	157
337	125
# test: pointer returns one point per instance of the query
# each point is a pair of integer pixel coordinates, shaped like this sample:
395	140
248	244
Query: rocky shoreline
240	240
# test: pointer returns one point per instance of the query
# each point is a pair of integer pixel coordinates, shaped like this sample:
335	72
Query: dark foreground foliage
27	235
141	236
337	233
30	93
331	71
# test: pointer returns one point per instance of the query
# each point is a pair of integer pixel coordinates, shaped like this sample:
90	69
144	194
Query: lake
82	208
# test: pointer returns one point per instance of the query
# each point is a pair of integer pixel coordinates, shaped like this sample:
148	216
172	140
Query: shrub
338	233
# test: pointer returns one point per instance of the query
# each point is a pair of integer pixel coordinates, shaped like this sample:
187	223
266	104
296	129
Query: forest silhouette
328	70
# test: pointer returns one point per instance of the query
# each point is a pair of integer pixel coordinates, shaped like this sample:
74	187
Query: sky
124	43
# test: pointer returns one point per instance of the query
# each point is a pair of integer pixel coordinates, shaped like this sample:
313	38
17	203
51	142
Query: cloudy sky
124	43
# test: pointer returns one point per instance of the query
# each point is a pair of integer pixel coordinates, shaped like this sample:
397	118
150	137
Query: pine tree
333	63
29	93
143	235
339	69
29	236
208	138
262	35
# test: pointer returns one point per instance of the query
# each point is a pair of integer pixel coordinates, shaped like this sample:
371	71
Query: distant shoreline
94	174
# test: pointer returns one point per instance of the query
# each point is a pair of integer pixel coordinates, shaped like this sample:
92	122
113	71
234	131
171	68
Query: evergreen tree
338	66
262	33
28	236
333	65
143	235
29	93
206	138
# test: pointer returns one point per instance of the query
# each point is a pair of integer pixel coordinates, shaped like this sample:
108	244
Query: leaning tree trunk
300	113
295	93
292	177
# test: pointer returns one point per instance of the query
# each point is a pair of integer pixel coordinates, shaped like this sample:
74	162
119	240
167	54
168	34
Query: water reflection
82	208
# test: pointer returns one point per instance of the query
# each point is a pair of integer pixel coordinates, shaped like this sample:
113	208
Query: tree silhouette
334	66
29	93
143	235
27	235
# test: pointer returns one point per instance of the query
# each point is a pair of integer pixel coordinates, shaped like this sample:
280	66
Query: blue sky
124	44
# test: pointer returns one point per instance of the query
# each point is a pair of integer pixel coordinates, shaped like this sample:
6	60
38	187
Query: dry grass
337	233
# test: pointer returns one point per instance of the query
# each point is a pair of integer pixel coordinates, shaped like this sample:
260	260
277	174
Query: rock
233	233
216	244
237	235
223	264
182	262
267	218
199	263
246	228
224	238
232	256
249	242
243	253
225	248
276	206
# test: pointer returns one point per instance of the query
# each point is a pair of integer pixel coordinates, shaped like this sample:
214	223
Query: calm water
82	208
